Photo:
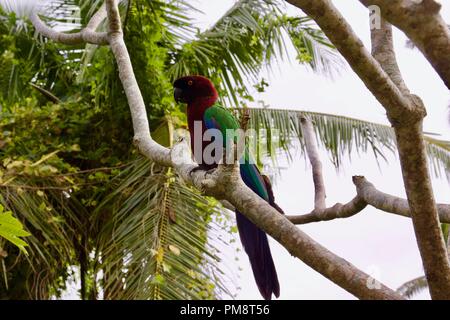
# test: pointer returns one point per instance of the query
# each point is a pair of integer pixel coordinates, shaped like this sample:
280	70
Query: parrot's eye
190	82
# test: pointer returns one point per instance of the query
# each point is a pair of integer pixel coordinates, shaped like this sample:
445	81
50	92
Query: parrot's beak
178	95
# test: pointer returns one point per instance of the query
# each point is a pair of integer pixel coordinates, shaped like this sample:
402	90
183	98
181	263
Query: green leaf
166	258
12	229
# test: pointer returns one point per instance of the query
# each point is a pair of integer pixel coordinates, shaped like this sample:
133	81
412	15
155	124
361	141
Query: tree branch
406	113
341	34
423	24
142	138
366	194
414	163
294	240
97	18
86	35
313	155
390	203
383	52
339	210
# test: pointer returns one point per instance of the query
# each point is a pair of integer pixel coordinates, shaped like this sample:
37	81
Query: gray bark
405	112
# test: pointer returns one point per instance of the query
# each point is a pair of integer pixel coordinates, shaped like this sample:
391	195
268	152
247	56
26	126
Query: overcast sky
379	243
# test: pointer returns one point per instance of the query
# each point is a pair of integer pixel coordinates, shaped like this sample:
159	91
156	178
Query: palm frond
249	36
312	46
53	220
26	59
438	151
22	8
413	287
155	245
339	135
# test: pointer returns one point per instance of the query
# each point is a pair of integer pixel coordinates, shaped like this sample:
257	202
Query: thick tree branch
293	239
424	213
313	155
448	246
97	18
423	24
414	163
142	138
390	203
86	35
406	113
341	34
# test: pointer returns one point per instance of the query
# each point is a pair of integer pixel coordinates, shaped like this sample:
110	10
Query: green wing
217	117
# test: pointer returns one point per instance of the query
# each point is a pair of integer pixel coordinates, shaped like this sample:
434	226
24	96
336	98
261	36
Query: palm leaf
54	223
413	287
249	36
339	135
155	245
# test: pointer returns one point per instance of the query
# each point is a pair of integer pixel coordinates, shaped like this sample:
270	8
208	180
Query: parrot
203	109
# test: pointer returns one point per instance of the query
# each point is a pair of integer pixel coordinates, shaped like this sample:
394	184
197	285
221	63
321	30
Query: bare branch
301	245
341	34
367	194
448	245
423	24
313	155
416	177
97	18
356	205
142	138
84	36
406	113
390	203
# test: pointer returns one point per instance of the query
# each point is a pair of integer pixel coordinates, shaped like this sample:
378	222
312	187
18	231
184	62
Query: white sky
379	243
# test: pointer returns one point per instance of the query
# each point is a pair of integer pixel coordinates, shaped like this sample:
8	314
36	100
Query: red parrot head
191	89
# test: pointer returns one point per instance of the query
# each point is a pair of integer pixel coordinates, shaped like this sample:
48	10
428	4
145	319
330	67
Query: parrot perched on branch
203	113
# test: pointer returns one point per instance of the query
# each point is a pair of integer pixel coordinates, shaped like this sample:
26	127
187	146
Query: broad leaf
12	229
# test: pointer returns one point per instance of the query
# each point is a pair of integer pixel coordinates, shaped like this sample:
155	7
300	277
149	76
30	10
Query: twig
367	194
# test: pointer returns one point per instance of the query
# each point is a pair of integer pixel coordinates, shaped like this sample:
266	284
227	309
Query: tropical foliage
11	229
410	288
97	211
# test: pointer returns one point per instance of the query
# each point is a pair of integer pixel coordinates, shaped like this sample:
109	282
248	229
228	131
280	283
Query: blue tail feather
256	246
254	240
